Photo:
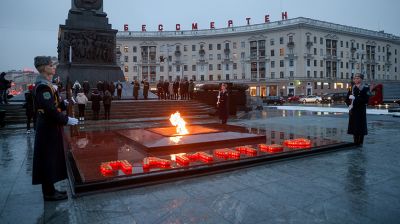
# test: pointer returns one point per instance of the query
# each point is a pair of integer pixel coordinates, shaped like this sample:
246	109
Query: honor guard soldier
48	157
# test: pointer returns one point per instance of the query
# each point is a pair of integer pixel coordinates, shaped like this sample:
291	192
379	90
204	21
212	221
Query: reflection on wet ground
360	185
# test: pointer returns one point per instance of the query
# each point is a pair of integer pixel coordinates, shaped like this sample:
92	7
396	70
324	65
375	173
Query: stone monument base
91	73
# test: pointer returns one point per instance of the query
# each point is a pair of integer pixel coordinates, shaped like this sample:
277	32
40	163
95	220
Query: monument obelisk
87	45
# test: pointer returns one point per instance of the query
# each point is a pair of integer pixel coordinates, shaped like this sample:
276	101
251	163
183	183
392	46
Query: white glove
55	87
352	97
350	107
72	121
73	100
66	103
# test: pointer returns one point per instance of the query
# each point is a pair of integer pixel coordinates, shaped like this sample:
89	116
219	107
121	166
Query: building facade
298	56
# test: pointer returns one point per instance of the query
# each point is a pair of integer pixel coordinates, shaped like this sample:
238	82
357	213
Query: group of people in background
176	90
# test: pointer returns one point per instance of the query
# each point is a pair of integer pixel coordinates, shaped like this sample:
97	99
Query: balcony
202	52
227	51
290	44
309	44
308	56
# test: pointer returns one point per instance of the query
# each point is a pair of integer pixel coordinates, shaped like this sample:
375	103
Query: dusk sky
29	27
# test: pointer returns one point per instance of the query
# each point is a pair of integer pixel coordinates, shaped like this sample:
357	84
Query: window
308	62
341	43
227	76
126	49
281	63
234	45
202	67
321	63
210	47
341	64
210	67
134	59
315	51
210	56
218	46
347	44
315	40
219	56
226	67
135	68
291	63
242	44
282	52
291	74
202	77
185	68
126	58
134	49
161	68
315	63
211	77
272	64
272	75
234	66
178	68
219	66
321	40
170	68
281	75
226	45
193	47
280	40
308	74
272	53
315	74
193	67
242	55
271	42
184	47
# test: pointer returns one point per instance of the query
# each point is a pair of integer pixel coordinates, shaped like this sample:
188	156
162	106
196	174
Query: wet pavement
355	185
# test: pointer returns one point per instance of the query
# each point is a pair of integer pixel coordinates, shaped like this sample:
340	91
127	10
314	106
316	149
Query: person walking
146	87
160	89
119	89
222	103
357	100
48	166
136	88
191	89
4	86
107	104
82	100
29	110
95	98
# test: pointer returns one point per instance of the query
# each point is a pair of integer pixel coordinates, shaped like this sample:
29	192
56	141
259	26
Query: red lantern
154	162
202	156
182	160
298	143
227	153
107	168
247	150
270	148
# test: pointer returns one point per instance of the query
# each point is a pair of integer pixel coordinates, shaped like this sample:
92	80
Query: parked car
294	98
334	97
274	100
310	99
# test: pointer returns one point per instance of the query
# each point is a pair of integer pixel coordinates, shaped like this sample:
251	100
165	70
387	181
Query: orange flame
177	120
